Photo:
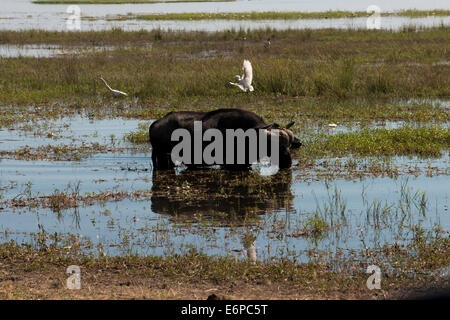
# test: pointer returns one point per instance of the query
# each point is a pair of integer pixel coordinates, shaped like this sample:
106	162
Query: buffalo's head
286	140
295	143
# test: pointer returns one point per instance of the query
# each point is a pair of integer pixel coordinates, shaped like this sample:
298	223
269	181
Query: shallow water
27	7
432	102
387	23
74	130
22	14
215	211
46	50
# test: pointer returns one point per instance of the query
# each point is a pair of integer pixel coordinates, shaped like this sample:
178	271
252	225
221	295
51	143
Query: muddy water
23	14
215	211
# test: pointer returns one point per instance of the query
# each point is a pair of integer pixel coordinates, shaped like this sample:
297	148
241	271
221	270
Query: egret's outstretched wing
238	85
107	86
119	93
248	72
113	91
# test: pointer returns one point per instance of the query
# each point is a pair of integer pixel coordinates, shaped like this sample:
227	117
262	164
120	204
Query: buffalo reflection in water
221	194
224	197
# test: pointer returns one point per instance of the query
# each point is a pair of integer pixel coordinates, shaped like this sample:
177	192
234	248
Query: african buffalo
222	119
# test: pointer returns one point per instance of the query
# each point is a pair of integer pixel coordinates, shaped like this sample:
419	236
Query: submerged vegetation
58	152
140	136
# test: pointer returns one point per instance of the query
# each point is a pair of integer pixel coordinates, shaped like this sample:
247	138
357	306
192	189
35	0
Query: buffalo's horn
290	124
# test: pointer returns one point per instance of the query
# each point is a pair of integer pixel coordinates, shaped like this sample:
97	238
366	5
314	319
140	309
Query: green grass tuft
425	142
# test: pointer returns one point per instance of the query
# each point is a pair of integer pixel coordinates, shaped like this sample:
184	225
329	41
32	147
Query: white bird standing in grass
245	82
117	93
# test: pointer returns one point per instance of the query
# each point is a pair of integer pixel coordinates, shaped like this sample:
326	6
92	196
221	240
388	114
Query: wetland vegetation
196	276
276	15
321	75
370	190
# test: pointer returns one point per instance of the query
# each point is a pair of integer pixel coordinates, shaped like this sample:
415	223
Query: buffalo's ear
290	124
271	126
276	126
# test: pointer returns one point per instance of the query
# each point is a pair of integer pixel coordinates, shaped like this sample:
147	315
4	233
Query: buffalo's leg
154	159
164	161
161	160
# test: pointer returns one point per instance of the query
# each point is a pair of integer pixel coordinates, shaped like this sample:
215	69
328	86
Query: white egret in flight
117	93
245	82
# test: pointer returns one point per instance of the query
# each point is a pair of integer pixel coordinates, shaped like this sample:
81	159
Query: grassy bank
276	15
30	272
326	74
425	142
162	76
280	38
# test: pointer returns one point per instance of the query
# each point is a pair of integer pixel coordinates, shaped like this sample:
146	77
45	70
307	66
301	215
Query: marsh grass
338	75
70	197
118	36
60	200
324	67
401	265
140	136
174	83
315	227
423	142
275	15
61	152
